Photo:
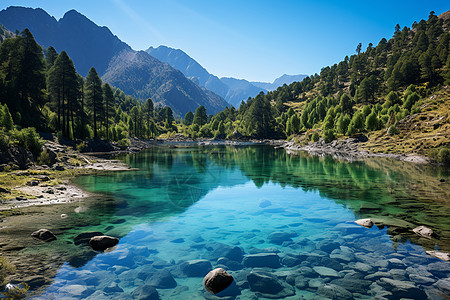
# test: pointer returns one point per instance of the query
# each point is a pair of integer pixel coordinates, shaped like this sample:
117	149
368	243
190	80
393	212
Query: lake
282	225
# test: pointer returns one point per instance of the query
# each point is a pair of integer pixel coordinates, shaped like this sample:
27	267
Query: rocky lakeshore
348	150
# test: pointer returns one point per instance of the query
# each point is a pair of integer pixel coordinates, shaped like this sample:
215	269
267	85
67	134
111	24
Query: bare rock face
424	232
441	255
217	280
43	235
365	222
103	242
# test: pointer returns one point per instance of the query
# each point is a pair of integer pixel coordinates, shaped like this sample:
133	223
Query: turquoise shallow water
205	203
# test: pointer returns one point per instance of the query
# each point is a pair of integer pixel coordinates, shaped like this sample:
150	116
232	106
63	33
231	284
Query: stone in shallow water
441	255
326	272
269	285
145	292
421	280
43	235
396	263
279	237
223	250
269	260
83	238
335	292
424	232
230	264
195	268
76	290
113	288
365	222
327	246
217	280
177	241
103	242
402	289
264	203
444	285
162	279
361	267
353	285
439	269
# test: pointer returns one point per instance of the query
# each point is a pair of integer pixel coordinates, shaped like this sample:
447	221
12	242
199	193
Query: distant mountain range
231	89
135	72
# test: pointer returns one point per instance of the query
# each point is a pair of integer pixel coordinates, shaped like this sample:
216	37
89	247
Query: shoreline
65	191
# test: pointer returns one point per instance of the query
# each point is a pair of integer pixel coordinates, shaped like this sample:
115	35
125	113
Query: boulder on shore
43	235
217	280
103	242
424	232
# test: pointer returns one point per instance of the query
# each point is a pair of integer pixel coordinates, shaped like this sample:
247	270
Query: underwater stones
279	237
396	263
35	281
444	285
83	238
327	246
440	269
230	264
291	260
269	260
76	290
353	285
145	292
269	285
44	235
402	289
103	242
162	279
335	292
195	268
177	241
361	267
365	222
421	279
223	250
369	207
264	203
438	254
326	272
264	250
113	288
217	280
424	232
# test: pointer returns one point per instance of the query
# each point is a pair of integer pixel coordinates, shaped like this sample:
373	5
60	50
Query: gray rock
326	272
396	263
103	242
439	254
21	198
424	232
145	292
327	246
43	235
83	238
365	222
402	289
162	279
439	269
279	237
196	268
58	168
421	280
315	283
33	183
353	285
269	285
444	285
269	260
361	267
264	203
335	292
217	280
230	264
113	288
223	250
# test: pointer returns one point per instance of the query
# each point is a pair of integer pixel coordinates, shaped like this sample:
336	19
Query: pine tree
200	116
108	100
94	97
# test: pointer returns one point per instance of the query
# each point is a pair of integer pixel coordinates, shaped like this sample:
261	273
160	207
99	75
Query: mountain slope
233	90
137	73
284	79
90	45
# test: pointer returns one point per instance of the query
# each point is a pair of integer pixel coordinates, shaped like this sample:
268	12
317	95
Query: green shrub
44	158
328	135
393	130
29	139
4	140
315	137
125	142
81	146
443	156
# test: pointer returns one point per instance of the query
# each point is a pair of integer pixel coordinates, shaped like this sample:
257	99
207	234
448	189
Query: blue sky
254	40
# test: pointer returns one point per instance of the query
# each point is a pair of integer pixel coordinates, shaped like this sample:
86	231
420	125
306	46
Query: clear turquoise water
184	201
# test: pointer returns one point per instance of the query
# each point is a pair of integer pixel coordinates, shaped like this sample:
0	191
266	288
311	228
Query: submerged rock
269	285
424	232
84	238
162	279
217	280
402	289
195	268
43	235
103	242
269	260
145	292
326	272
335	292
279	237
365	222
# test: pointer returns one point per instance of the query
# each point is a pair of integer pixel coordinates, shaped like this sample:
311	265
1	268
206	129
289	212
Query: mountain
284	79
232	90
89	45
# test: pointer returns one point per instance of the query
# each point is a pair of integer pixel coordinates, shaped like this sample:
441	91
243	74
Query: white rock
365	222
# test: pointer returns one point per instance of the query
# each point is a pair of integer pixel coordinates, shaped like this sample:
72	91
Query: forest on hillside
368	91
